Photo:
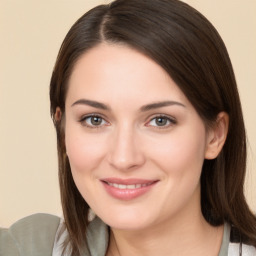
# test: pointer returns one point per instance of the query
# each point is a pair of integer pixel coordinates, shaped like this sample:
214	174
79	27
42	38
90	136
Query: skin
127	141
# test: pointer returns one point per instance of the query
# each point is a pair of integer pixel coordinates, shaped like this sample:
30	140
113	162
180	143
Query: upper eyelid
162	115
83	117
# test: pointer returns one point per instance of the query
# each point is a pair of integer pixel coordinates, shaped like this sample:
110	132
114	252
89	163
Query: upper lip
132	181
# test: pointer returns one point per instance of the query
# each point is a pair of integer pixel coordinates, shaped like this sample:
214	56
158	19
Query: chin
128	220
131	225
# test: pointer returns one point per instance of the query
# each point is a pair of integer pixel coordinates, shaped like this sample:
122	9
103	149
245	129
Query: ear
59	121
216	136
57	115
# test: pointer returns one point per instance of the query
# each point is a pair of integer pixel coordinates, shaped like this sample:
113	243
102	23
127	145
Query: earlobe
217	136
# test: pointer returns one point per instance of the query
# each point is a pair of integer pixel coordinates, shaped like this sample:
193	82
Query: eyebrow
91	103
144	108
160	105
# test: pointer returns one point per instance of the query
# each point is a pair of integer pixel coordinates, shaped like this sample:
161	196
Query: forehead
110	71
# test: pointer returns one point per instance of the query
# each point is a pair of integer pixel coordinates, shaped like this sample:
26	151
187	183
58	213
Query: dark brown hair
188	47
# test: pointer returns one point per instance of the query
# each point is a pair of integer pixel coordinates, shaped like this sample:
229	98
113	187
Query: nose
125	152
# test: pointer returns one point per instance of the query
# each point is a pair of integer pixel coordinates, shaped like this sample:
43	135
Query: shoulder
97	238
246	250
32	235
239	245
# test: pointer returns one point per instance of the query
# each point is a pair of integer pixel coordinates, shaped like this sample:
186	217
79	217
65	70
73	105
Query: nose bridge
125	150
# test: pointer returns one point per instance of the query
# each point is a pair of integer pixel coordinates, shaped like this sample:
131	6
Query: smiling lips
127	189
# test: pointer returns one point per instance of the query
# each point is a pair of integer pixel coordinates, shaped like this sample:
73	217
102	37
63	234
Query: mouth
127	189
131	186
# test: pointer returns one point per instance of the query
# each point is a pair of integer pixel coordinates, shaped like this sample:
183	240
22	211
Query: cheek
180	157
181	152
84	152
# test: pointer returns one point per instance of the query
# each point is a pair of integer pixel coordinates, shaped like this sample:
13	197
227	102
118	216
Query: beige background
31	33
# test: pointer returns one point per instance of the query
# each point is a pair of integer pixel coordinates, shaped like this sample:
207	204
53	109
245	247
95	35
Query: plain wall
31	33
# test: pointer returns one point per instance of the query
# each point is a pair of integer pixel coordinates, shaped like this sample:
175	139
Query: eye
161	122
93	121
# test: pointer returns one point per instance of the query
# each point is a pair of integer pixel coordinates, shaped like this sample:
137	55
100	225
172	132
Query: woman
151	139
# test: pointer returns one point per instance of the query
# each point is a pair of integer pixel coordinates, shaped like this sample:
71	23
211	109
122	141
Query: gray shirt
37	235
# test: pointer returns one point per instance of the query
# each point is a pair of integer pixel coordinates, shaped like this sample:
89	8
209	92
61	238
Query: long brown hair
189	48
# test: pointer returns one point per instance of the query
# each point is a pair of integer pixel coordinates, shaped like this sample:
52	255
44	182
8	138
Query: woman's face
135	143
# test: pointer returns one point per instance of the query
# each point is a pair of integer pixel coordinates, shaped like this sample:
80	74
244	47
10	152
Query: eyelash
170	121
84	123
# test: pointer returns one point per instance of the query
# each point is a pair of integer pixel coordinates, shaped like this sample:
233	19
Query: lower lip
127	194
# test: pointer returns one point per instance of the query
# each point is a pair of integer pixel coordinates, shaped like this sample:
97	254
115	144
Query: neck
179	236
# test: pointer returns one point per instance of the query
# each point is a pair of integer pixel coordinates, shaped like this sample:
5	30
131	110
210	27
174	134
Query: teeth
132	186
121	186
